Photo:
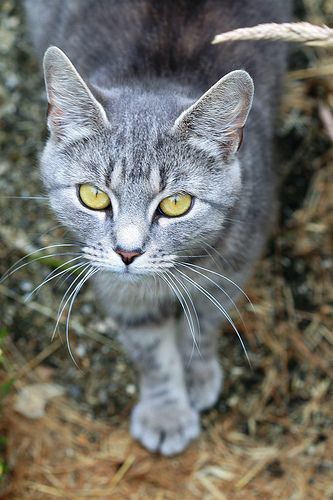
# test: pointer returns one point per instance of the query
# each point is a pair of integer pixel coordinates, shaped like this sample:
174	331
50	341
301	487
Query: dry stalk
306	33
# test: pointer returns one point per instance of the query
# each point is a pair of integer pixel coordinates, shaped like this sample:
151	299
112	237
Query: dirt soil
270	436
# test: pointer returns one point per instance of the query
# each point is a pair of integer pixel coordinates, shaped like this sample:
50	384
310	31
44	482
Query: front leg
204	374
213	298
163	419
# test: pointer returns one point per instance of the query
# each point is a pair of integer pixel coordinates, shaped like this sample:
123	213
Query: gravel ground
27	225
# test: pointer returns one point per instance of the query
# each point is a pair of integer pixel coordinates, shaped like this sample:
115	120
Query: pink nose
127	257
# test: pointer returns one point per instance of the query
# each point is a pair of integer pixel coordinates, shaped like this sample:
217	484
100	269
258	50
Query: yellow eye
93	197
176	205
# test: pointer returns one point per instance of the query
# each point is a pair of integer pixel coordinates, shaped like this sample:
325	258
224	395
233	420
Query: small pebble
26	286
81	350
131	389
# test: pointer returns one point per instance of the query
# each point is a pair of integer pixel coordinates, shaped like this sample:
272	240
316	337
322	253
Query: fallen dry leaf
32	399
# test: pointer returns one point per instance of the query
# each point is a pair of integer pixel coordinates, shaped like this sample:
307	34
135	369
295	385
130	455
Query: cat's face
138	186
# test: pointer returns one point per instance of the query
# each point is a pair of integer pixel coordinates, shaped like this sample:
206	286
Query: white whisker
53	228
37	260
13	269
219	255
51	276
62	281
195	313
191	256
219	287
219	307
44	198
75	294
223	277
184	305
63	304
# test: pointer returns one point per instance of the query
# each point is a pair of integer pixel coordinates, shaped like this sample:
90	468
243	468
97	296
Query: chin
127	275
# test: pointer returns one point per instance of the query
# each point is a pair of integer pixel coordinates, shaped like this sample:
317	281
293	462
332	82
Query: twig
326	117
37	360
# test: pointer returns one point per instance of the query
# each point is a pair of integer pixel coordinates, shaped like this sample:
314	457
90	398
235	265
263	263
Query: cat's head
141	175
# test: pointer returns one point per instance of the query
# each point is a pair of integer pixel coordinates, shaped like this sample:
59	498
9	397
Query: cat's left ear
73	111
215	122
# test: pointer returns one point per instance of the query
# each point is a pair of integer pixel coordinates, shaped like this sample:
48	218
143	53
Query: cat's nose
128	257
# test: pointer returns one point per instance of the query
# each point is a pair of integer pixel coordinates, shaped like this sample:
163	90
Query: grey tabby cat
142	164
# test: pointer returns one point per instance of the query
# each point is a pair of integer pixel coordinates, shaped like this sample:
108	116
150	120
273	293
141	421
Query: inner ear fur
215	122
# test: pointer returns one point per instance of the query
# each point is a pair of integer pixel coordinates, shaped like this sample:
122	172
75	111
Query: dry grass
306	33
68	456
272	437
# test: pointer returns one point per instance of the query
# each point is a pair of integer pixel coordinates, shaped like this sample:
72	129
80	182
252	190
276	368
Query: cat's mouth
125	270
126	274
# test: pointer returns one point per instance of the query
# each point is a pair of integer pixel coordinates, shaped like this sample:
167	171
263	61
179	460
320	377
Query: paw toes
173	444
169	434
193	430
150	439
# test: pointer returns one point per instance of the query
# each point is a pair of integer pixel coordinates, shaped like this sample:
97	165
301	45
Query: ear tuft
73	111
215	122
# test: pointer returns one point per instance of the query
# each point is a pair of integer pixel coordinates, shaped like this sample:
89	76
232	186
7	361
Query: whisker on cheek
75	293
219	306
195	343
14	269
65	301
188	266
36	198
54	274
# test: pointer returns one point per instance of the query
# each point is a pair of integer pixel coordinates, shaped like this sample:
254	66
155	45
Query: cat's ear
215	122
73	111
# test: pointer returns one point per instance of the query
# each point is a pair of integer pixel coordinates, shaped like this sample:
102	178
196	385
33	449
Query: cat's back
136	38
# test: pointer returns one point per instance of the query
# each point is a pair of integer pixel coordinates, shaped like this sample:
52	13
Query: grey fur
135	126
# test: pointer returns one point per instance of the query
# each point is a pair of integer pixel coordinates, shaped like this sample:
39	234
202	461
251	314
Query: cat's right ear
73	111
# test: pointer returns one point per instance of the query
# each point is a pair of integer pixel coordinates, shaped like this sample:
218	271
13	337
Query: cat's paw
204	381
167	428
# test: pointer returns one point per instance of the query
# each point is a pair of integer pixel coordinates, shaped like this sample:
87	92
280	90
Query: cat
144	165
